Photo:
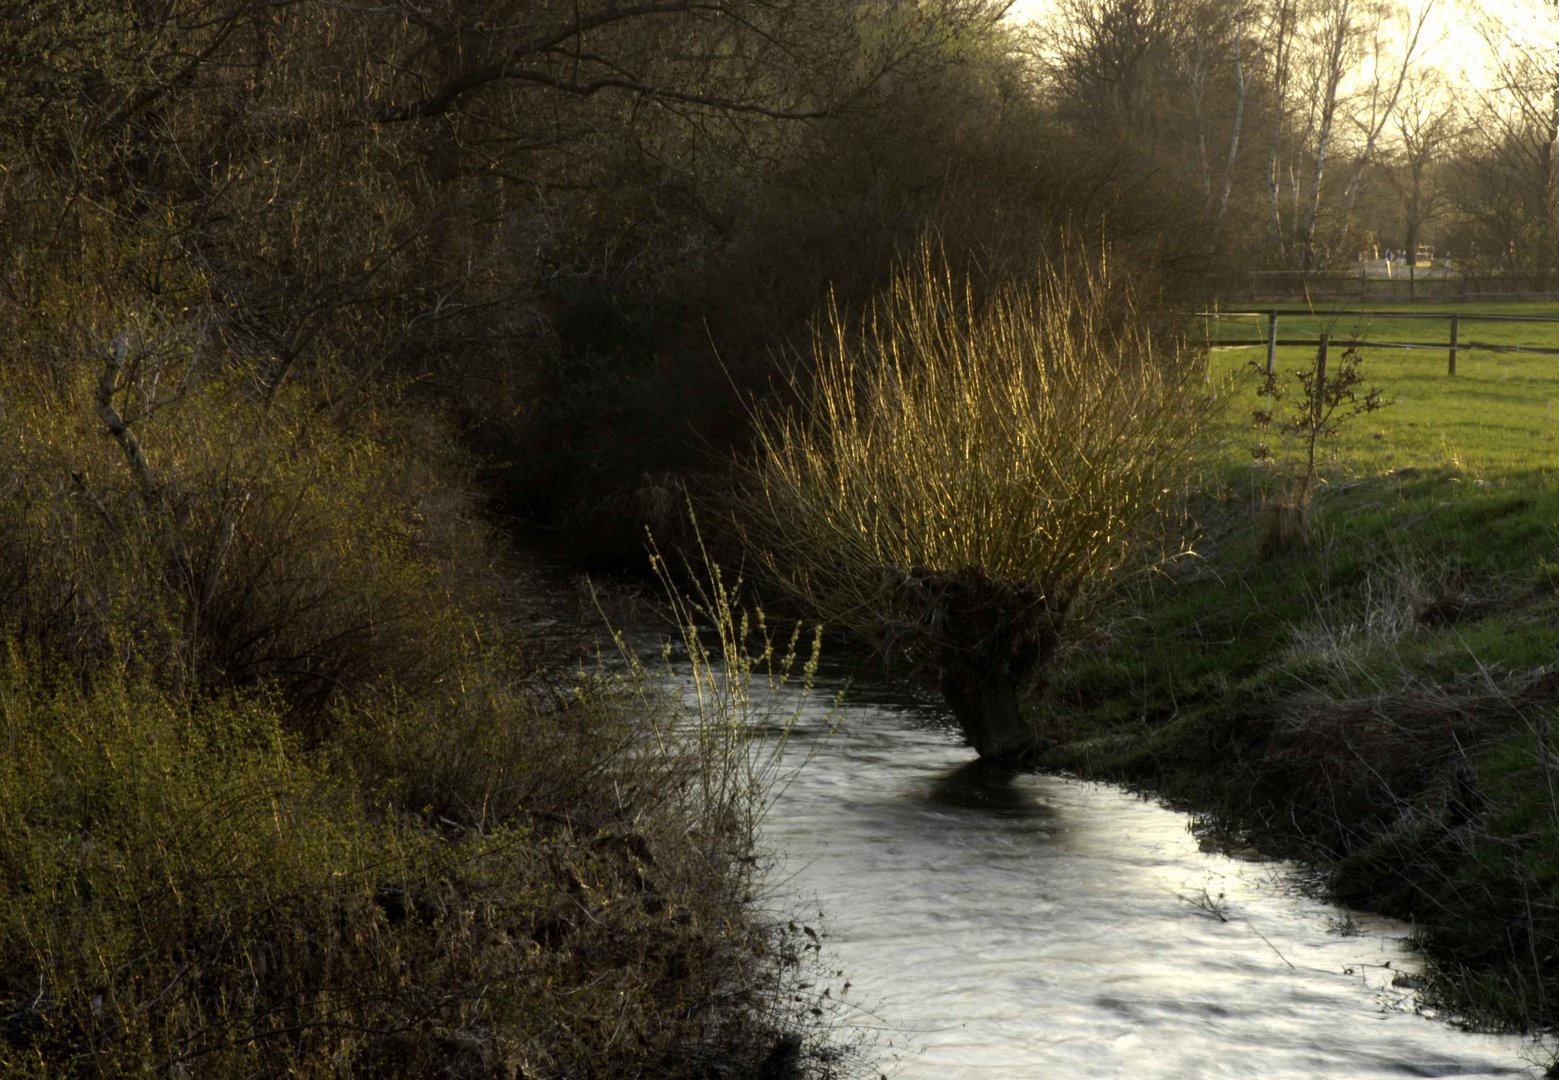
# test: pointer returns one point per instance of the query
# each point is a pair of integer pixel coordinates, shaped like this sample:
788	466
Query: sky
1451	41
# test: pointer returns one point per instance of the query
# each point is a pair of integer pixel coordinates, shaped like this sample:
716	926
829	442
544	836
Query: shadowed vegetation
288	787
281	794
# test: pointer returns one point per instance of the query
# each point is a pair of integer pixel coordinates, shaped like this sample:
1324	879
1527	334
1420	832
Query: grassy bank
1381	698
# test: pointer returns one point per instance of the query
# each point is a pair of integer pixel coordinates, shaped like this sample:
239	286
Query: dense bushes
280	794
285	790
232	542
186	890
592	265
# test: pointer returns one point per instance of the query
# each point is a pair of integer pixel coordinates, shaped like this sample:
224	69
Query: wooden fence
1453	344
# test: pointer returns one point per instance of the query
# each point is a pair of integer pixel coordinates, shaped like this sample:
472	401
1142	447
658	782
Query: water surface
999	926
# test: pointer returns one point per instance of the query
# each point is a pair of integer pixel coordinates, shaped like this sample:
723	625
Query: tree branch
449	95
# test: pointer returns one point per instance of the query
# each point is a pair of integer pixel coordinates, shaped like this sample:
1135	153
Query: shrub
1326	402
961	472
184	891
221	540
536	884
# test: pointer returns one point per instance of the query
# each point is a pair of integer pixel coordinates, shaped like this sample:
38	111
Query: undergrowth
283	792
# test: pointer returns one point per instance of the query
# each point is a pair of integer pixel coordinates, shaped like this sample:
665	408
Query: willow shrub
961	471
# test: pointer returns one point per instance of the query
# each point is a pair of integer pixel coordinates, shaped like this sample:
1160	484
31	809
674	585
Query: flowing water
995	926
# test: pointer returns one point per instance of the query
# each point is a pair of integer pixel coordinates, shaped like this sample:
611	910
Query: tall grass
741	687
1039	434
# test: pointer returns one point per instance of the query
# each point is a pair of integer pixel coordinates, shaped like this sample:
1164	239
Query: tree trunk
989	642
988	711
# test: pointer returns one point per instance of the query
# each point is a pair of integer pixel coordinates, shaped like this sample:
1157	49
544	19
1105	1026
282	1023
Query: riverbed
993	925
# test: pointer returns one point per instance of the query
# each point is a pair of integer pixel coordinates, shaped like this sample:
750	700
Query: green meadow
1496	418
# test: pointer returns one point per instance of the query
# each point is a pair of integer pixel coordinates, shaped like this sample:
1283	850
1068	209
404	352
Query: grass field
1497	417
1426	323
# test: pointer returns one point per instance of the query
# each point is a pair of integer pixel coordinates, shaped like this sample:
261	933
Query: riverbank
301	779
1377	701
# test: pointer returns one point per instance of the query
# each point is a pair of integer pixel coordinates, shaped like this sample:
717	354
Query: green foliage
185	887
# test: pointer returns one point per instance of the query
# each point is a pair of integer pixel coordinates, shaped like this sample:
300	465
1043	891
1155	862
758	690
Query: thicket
284	790
280	792
586	231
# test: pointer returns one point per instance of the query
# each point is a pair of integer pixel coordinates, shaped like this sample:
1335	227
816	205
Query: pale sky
1450	42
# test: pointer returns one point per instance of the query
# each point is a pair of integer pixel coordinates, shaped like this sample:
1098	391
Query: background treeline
1307	133
593	230
586	231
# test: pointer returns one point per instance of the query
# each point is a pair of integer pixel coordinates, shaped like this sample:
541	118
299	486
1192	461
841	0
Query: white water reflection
1052	928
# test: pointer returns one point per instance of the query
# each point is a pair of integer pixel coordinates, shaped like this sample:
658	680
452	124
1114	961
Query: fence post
1320	378
1455	327
1272	340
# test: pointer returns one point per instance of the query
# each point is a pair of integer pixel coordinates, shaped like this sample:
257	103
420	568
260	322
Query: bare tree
411	178
1169	84
1279	41
1507	189
1219	69
1314	50
1376	104
1427	124
1112	64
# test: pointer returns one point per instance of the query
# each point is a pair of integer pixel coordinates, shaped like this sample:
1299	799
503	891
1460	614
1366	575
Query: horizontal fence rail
1344	313
1452	346
1436	346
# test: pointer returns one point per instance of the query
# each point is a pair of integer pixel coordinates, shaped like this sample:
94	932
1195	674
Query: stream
994	926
